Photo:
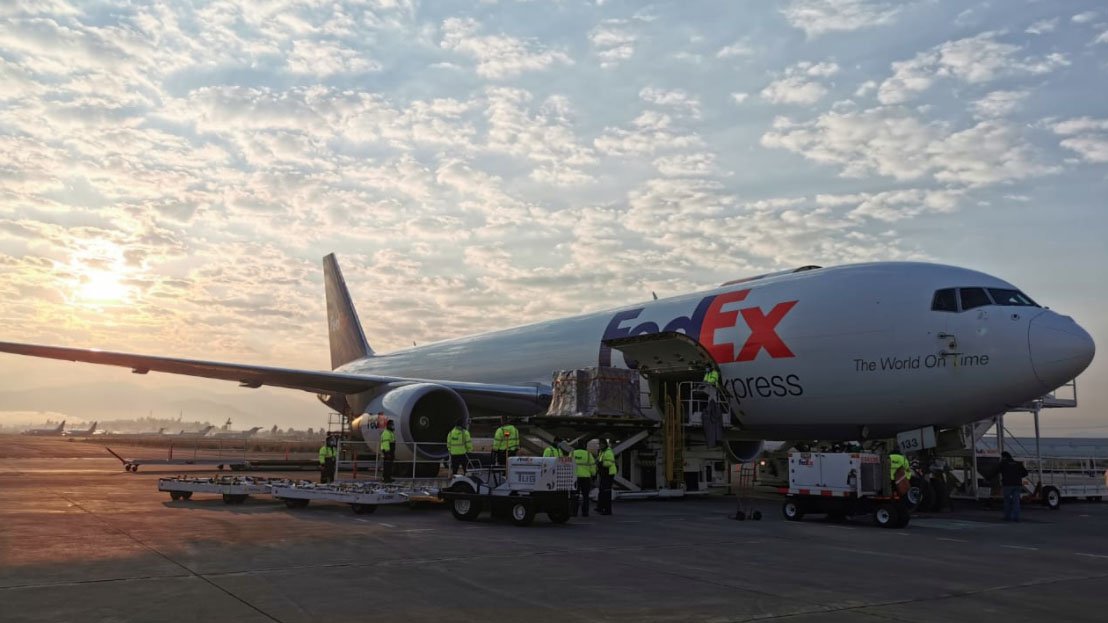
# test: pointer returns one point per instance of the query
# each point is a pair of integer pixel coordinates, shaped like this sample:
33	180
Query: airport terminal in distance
817	444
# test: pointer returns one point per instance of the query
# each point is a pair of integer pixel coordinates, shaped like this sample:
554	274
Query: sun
102	286
99	276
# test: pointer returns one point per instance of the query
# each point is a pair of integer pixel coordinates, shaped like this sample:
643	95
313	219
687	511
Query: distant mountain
105	401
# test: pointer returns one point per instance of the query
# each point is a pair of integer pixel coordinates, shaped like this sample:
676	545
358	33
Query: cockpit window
1013	298
945	300
974	297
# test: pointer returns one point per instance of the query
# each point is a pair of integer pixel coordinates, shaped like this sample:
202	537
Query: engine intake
424	413
742	450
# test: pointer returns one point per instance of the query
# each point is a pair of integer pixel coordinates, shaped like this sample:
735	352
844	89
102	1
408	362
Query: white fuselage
819	353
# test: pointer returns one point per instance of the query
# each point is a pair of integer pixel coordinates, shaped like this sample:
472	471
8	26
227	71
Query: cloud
545	136
1101	38
897	205
1042	26
973	60
649	133
686	165
890	142
797	85
817	17
1086	136
999	103
612	42
676	99
739	98
325	58
498	56
739	49
1084	18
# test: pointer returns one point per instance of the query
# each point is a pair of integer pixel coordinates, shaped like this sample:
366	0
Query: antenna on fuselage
652	293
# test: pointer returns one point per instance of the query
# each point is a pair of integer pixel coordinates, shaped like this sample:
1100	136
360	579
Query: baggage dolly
363	497
234	489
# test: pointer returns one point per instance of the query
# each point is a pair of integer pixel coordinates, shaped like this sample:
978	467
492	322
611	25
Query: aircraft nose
1060	348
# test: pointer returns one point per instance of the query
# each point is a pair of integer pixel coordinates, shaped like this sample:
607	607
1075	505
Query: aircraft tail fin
61	427
92	429
348	341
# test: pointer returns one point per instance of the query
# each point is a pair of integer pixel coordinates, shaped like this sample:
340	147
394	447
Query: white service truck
529	485
840	485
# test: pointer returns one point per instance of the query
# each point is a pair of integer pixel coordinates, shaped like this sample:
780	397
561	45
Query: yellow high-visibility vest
459	441
585	463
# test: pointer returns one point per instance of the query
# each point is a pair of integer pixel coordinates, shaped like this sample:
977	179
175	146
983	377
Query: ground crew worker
711	376
505	442
607	469
711	379
555	449
388	450
585	470
327	460
458	443
899	463
1012	473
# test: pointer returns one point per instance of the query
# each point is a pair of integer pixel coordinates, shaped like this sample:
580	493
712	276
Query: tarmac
82	540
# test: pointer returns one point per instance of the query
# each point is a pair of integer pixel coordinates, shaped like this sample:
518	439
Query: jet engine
742	450
423	414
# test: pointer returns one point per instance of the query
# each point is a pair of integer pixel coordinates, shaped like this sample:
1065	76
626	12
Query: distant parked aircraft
46	432
203	432
82	433
236	434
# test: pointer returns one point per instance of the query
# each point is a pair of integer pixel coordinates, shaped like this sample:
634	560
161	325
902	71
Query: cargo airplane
47	432
82	433
846	352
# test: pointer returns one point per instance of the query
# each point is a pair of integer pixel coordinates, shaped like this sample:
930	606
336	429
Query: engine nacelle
423	415
742	450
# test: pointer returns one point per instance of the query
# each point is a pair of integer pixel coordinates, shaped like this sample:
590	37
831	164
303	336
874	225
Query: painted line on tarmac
420	530
943	538
363	520
1090	555
387	525
1033	549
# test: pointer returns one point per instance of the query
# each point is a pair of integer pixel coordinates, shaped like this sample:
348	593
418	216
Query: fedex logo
709	324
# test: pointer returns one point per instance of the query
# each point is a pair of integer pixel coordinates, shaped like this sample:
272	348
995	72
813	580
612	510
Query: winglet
348	341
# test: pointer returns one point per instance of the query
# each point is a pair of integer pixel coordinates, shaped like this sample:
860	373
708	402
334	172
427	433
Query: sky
174	171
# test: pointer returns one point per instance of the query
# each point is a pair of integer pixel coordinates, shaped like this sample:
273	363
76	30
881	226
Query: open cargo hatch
668	355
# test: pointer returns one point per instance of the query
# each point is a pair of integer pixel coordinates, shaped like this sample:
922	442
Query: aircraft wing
510	399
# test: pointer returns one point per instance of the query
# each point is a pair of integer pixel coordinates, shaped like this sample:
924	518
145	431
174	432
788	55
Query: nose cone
1060	348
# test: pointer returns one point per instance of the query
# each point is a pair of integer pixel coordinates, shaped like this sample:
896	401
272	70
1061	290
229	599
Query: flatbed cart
132	465
529	485
363	497
841	485
234	489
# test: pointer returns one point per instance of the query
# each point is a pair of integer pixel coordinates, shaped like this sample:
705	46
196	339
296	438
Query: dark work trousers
327	470
584	485
604	499
387	459
457	462
500	456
